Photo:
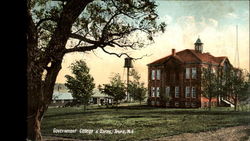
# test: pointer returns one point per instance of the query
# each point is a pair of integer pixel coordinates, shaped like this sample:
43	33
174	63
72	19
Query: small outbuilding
62	96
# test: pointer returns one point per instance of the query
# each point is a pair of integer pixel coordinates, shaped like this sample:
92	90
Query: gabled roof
190	55
62	96
164	59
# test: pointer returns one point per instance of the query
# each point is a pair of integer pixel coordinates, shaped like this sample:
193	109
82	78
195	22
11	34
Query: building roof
198	41
97	93
62	96
190	55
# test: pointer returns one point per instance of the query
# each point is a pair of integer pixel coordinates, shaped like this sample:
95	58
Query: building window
176	103
158	74
187	73
187	104
153	75
157	91
193	92
177	91
187	92
167	91
194	73
153	91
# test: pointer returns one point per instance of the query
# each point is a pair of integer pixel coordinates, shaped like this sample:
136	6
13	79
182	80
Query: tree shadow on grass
139	116
69	114
134	107
182	111
185	112
146	110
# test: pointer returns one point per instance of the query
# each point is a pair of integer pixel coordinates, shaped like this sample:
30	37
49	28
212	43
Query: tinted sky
214	21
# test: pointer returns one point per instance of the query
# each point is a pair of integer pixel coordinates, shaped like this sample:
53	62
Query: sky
213	21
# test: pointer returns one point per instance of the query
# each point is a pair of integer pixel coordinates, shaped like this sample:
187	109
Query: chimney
173	52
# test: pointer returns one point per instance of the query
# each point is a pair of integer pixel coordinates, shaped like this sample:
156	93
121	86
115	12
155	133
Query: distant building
178	76
100	98
62	96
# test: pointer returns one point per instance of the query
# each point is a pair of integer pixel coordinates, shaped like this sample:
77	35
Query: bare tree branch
81	49
141	57
112	53
82	38
43	20
125	54
78	43
104	31
124	45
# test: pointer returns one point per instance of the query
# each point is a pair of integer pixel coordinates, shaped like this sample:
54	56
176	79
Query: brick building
175	80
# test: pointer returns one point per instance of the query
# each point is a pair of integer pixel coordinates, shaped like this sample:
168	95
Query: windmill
128	64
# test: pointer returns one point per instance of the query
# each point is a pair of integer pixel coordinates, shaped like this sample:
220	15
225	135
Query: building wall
173	74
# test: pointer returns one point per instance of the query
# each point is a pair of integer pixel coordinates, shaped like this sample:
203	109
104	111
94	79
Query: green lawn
146	122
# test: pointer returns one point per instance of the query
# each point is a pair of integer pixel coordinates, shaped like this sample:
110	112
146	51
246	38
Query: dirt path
238	133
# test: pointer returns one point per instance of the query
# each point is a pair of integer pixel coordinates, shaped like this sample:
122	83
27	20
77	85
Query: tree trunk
235	102
209	104
84	108
40	90
117	105
39	97
34	124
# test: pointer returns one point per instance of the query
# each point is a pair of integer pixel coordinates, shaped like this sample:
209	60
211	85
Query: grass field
142	122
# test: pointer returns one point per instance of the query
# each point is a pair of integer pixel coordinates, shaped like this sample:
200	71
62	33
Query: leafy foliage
135	88
209	82
230	83
236	85
211	85
102	22
115	89
82	84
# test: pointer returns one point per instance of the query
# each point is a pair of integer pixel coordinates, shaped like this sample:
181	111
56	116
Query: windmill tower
236	56
128	64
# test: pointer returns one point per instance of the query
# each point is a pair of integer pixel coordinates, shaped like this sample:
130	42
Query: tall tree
136	88
209	84
238	85
245	94
91	24
116	89
82	84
